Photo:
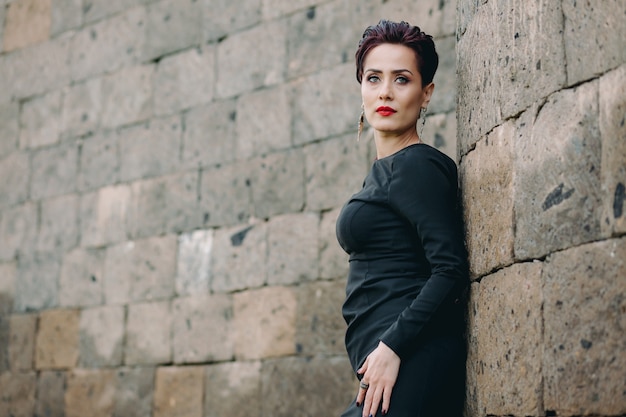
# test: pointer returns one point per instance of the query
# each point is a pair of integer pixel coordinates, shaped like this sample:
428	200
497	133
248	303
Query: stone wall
542	138
170	173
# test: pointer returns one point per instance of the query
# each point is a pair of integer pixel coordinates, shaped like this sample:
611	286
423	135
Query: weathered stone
235	74
265	321
263	128
104	216
505	342
14	171
233	389
27	22
184	80
101	336
325	104
613	131
8	275
594	38
109	45
66	15
202	328
2	17
51	394
135	392
488	194
193	274
18	229
288	378
58	224
127	96
320	328
36	284
225	194
584	322
97	9
140	270
557	173
148	334
150	149
293	248
178	391
278	184
21	350
333	259
82	106
4	345
440	132
99	161
17	394
275	8
9	127
239	257
222	17
173	25
54	171
444	96
40	121
82	274
57	339
209	137
164	205
90	392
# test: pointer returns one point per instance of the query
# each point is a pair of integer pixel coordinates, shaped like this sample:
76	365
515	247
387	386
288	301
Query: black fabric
408	263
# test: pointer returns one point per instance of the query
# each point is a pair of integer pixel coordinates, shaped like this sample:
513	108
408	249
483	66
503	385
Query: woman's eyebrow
398	71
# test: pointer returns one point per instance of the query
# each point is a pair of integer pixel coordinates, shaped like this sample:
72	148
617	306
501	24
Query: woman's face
392	90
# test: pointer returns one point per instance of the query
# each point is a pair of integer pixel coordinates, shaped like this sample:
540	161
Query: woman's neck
388	144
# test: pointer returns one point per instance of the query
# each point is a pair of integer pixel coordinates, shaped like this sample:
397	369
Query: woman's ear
428	93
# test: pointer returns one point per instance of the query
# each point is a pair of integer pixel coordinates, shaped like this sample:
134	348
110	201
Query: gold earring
361	121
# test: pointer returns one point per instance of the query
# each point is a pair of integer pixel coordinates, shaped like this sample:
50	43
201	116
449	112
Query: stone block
17	394
150	149
18	229
293	248
109	45
37	278
265	322
4	346
202	328
239	258
444	96
333	259
165	205
66	15
82	106
440	132
9	127
90	392
335	170
99	161
613	167
263	128
2	17
134	392
328	382
233	389
54	171
505	342
14	171
104	216
22	328
486	173
51	394
127	96
594	38
584	304
101	336
278	184
236	75
184	80
27	22
193	273
97	9
325	104
179	391
57	339
557	176
141	270
40	121
275	8
320	328
58	224
222	17
173	25
148	333
209	137
225	194
8	276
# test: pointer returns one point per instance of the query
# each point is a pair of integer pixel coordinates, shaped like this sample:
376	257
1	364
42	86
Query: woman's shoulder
422	155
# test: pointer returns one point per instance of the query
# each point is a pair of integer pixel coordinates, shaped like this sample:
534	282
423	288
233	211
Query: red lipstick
385	111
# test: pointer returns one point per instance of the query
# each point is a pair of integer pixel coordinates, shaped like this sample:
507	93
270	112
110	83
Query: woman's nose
385	91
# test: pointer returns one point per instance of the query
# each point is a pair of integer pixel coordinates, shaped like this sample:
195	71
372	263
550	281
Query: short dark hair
402	34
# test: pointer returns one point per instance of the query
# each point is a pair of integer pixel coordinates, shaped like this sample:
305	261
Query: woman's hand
380	371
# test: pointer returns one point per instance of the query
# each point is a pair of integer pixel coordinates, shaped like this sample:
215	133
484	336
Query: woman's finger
372	401
363	386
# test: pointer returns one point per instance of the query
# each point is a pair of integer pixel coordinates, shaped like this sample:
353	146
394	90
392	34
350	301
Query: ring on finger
364	385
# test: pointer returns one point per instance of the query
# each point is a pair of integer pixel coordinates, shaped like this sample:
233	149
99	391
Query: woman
403	232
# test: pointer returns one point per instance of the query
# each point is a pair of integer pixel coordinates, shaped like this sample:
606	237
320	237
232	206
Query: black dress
408	269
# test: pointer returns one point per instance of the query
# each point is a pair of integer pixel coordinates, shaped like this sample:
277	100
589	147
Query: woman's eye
402	80
372	78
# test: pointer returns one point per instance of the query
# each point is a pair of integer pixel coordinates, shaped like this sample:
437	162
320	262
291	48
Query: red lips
385	111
